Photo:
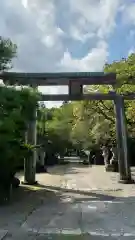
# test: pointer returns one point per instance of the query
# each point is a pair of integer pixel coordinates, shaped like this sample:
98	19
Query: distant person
88	153
114	158
98	158
105	154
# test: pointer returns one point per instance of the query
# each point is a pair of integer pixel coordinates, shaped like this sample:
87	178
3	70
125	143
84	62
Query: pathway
71	202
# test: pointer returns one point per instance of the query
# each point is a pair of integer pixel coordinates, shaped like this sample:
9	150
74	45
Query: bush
16	108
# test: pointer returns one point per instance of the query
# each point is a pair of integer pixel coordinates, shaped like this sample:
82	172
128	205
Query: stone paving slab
73	203
97	219
113	217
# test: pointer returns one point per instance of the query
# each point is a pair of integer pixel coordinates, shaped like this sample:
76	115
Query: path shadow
39	193
27	199
29	195
42	193
101	195
91	194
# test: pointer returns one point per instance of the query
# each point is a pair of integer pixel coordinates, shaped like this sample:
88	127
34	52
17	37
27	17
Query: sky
68	35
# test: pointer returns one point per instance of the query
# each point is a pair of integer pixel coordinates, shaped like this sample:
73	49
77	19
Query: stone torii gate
75	82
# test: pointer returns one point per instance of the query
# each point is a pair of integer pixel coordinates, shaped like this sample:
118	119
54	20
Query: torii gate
75	82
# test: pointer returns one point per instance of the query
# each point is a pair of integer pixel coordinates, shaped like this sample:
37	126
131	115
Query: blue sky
73	35
122	41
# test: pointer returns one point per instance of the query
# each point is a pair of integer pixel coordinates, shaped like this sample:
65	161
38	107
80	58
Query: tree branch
107	108
100	111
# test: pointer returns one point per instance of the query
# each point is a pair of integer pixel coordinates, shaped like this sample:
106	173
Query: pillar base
127	181
29	183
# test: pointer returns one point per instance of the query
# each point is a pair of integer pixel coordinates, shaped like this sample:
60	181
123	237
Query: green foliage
86	124
60	126
55	125
16	109
96	119
7	53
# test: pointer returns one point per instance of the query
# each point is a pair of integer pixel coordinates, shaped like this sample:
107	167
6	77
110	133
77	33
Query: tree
90	128
15	113
95	120
7	53
59	127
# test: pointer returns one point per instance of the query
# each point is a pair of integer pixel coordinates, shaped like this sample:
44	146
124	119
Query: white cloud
129	13
35	31
78	34
45	29
93	61
95	17
131	50
33	26
25	3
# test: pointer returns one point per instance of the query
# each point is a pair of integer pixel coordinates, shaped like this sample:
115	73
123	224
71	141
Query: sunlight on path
72	202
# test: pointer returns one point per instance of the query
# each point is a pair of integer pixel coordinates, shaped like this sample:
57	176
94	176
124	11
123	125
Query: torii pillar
121	135
30	164
75	88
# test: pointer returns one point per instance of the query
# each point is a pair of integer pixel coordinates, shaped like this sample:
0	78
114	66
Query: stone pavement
71	202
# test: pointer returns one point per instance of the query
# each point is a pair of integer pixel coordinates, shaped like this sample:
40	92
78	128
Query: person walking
105	154
114	159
